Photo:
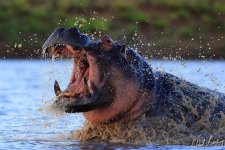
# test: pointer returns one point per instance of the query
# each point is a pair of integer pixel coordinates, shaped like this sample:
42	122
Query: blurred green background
164	29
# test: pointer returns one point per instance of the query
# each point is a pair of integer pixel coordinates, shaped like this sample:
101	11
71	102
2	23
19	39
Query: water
25	86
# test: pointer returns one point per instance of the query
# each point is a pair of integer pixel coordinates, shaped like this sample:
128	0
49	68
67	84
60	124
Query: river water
27	85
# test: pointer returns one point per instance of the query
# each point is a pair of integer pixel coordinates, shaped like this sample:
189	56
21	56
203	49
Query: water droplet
19	45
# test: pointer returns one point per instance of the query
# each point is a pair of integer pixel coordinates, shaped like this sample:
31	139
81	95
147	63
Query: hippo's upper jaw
62	36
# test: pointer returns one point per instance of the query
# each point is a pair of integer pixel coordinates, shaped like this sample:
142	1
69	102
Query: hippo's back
184	101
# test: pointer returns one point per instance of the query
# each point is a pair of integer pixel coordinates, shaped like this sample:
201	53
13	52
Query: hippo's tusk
57	89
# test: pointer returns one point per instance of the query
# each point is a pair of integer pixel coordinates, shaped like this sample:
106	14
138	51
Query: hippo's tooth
55	56
57	89
45	50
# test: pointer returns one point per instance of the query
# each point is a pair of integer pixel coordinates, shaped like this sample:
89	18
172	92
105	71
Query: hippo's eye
108	41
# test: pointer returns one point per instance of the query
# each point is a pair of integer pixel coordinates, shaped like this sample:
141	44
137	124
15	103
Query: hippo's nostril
108	41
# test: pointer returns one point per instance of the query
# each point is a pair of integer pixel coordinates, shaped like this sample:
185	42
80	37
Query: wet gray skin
167	95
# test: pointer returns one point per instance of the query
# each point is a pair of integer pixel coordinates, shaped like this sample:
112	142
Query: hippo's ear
106	43
124	51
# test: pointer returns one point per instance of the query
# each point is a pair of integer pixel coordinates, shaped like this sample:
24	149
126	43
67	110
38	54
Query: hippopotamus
111	81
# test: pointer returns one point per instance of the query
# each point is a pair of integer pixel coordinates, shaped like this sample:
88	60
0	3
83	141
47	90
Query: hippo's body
183	101
174	97
119	84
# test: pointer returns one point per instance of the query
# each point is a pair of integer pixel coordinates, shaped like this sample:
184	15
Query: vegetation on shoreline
158	28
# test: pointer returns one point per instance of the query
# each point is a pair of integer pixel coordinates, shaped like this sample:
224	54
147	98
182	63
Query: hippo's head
109	81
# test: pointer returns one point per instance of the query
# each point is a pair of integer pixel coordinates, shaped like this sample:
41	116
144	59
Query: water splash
149	130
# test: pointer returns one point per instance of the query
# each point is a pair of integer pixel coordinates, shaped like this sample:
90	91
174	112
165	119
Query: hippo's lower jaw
78	104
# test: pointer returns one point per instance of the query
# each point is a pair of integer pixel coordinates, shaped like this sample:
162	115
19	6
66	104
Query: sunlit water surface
26	86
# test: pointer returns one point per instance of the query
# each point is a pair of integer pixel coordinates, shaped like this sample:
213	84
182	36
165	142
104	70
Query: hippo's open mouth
78	84
77	97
